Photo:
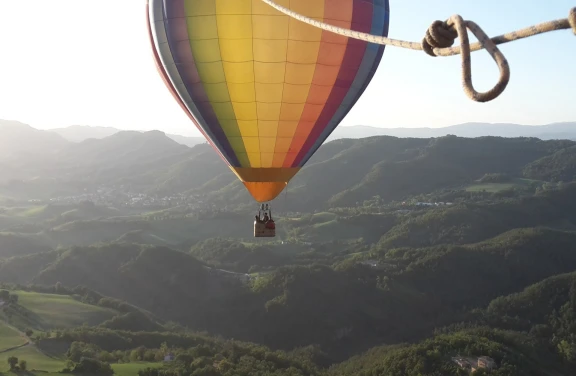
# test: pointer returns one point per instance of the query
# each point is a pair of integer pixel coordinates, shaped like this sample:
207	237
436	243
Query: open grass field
131	369
27	212
41	364
323	216
48	311
35	360
9	337
498	187
70	211
314	218
333	229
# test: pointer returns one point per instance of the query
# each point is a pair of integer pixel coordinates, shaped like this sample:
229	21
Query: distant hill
19	140
79	133
129	265
342	173
122	148
565	130
545	132
429	248
430	281
91	162
411	292
538	304
188	141
16	244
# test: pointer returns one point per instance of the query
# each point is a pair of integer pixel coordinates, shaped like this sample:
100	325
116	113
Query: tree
4	295
13	298
567	350
22	364
12	362
164	349
92	366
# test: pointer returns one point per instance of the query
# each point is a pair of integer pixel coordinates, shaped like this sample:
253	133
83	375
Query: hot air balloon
266	90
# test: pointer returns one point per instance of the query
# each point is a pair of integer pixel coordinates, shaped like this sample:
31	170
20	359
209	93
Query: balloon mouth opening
265	183
265	191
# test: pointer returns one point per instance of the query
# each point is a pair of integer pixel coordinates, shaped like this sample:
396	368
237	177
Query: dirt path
15	347
21	333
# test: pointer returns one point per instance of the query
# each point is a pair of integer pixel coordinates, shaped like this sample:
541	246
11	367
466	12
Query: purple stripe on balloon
351	63
179	42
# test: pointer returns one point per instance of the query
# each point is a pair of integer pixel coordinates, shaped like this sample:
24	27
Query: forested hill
342	172
134	254
461	284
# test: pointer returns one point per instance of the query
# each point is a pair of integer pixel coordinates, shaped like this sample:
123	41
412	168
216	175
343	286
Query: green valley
393	256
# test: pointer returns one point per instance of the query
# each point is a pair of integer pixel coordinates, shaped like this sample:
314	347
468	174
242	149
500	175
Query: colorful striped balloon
266	90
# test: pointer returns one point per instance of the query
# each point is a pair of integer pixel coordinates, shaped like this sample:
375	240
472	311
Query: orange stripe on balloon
330	57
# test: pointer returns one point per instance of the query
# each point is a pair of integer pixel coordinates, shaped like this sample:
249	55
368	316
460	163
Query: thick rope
440	37
443	35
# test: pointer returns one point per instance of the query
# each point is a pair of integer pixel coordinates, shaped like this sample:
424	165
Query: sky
88	62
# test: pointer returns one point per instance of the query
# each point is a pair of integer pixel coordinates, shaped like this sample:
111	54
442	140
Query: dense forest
394	256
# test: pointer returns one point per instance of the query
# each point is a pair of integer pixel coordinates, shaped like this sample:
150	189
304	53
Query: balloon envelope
266	90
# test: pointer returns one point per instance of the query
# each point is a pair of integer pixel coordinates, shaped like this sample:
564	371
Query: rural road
21	333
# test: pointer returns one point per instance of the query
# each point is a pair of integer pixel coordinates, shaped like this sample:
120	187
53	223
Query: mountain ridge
566	130
563	130
79	133
410	244
341	173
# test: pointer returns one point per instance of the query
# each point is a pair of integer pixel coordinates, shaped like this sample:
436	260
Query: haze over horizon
109	79
354	128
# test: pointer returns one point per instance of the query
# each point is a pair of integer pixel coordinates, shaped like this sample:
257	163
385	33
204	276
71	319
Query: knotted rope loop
443	34
438	35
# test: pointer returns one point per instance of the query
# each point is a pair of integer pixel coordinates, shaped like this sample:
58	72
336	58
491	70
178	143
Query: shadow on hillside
53	348
30	318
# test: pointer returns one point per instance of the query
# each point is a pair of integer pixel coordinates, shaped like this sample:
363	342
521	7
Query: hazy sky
67	62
